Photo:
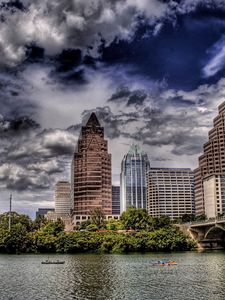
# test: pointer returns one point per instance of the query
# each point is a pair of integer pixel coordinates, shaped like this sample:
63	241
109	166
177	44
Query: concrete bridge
210	234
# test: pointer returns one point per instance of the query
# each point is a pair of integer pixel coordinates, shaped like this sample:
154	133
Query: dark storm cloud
160	128
65	25
123	94
179	100
173	118
85	25
14	101
113	123
11	5
70	67
31	157
46	144
11	127
157	39
18	179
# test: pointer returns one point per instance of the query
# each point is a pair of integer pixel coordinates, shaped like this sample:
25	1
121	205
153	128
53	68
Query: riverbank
136	231
165	239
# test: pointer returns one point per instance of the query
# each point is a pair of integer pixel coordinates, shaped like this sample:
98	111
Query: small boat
172	263
165	263
53	262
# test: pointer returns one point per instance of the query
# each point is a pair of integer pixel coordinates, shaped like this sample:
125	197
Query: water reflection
197	276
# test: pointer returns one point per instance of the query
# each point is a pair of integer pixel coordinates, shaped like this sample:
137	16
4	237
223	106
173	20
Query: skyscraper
170	192
134	167
62	199
210	175
91	170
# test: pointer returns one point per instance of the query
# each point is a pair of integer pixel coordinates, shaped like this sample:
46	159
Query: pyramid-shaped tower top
93	121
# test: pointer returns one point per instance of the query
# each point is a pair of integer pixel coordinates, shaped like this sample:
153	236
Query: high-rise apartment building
115	200
214	195
209	176
63	203
170	192
133	183
91	170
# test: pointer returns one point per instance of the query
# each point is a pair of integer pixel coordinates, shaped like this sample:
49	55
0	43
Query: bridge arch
215	231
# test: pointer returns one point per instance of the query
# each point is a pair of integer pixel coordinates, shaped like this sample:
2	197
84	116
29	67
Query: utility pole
10	210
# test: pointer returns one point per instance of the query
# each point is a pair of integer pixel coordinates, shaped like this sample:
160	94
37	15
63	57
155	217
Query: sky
152	70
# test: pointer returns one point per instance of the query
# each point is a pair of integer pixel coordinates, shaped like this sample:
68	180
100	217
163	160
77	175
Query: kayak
165	263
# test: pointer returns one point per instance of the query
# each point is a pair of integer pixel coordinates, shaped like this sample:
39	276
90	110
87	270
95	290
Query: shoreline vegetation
134	232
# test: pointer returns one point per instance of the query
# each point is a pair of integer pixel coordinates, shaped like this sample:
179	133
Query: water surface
131	277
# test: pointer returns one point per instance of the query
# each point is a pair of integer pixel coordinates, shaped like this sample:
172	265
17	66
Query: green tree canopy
135	218
187	218
162	222
15	219
97	217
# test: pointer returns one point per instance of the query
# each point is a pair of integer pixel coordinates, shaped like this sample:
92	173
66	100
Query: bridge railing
210	220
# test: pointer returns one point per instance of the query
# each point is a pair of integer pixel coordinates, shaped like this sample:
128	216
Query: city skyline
152	71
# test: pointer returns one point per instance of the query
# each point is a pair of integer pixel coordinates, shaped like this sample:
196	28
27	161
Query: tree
53	227
46	237
135	218
98	217
91	227
16	239
85	224
15	219
201	218
162	222
187	218
113	224
39	222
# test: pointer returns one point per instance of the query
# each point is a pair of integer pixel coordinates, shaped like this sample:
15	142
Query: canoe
50	262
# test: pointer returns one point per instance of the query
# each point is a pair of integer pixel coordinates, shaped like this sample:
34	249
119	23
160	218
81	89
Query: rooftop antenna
10	210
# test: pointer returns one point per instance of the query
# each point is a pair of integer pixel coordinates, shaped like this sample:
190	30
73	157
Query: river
129	277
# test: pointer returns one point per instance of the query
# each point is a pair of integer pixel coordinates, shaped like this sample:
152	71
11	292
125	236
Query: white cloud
217	62
57	25
62	24
61	106
50	166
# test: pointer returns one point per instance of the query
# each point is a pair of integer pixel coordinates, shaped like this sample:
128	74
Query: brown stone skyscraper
210	175
91	170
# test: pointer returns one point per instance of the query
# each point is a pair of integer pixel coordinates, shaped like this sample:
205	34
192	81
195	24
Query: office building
133	183
62	199
43	211
214	195
91	171
115	200
209	176
170	192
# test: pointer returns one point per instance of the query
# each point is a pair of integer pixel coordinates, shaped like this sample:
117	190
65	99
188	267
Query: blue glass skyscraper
133	179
